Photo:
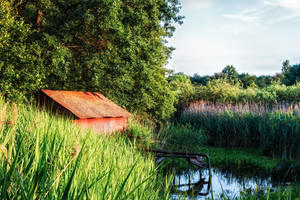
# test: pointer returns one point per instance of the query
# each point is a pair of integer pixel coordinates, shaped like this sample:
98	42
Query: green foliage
21	66
140	132
249	160
218	90
292	75
222	91
181	138
285	193
285	66
46	157
245	79
183	88
231	73
115	47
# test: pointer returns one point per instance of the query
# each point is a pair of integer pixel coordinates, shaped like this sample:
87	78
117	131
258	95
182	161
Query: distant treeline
229	86
289	75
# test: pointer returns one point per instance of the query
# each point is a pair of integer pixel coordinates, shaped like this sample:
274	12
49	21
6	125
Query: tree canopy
116	47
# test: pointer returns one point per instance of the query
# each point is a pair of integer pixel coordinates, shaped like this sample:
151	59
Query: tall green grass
281	193
275	129
46	157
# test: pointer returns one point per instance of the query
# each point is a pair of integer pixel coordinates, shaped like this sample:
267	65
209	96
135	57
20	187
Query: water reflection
195	184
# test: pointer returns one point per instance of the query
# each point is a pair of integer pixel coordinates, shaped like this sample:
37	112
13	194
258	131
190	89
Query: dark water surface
222	182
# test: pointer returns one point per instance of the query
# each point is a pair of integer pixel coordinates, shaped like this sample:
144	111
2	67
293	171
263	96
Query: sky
255	36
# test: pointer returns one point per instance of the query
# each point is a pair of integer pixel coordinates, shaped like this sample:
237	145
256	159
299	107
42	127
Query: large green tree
292	75
117	47
231	73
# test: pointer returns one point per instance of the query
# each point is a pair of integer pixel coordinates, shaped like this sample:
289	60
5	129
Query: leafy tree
115	47
21	66
183	89
182	86
285	66
292	76
231	73
247	80
197	79
220	75
264	81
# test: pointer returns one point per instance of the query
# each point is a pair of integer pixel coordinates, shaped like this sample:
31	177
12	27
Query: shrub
181	138
223	91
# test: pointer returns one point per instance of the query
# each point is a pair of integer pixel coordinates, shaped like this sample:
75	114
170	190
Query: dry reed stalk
77	150
3	116
3	150
15	114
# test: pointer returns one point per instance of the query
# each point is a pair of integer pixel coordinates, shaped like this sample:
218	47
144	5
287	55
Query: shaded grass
239	158
281	193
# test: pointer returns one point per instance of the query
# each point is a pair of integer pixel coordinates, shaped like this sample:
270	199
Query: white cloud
197	4
292	7
290	4
244	21
261	14
242	17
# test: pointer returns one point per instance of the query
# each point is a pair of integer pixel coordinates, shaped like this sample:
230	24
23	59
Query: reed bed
46	157
206	106
275	128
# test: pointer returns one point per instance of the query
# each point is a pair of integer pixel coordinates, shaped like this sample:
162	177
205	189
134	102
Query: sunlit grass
48	158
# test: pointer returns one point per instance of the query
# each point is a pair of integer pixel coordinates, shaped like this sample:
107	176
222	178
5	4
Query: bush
222	91
181	138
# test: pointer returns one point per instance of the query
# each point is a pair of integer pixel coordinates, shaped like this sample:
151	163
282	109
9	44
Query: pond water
196	184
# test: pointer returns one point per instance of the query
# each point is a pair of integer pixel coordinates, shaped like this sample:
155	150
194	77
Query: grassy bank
274	129
46	157
248	161
187	138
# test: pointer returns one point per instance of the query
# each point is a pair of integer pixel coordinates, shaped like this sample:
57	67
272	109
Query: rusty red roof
86	105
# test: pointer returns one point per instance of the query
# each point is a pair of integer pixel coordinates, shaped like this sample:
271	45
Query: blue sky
255	36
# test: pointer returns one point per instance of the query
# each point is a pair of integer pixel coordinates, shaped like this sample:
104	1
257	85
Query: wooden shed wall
100	125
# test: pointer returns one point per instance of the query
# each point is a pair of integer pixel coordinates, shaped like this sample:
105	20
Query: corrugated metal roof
86	105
